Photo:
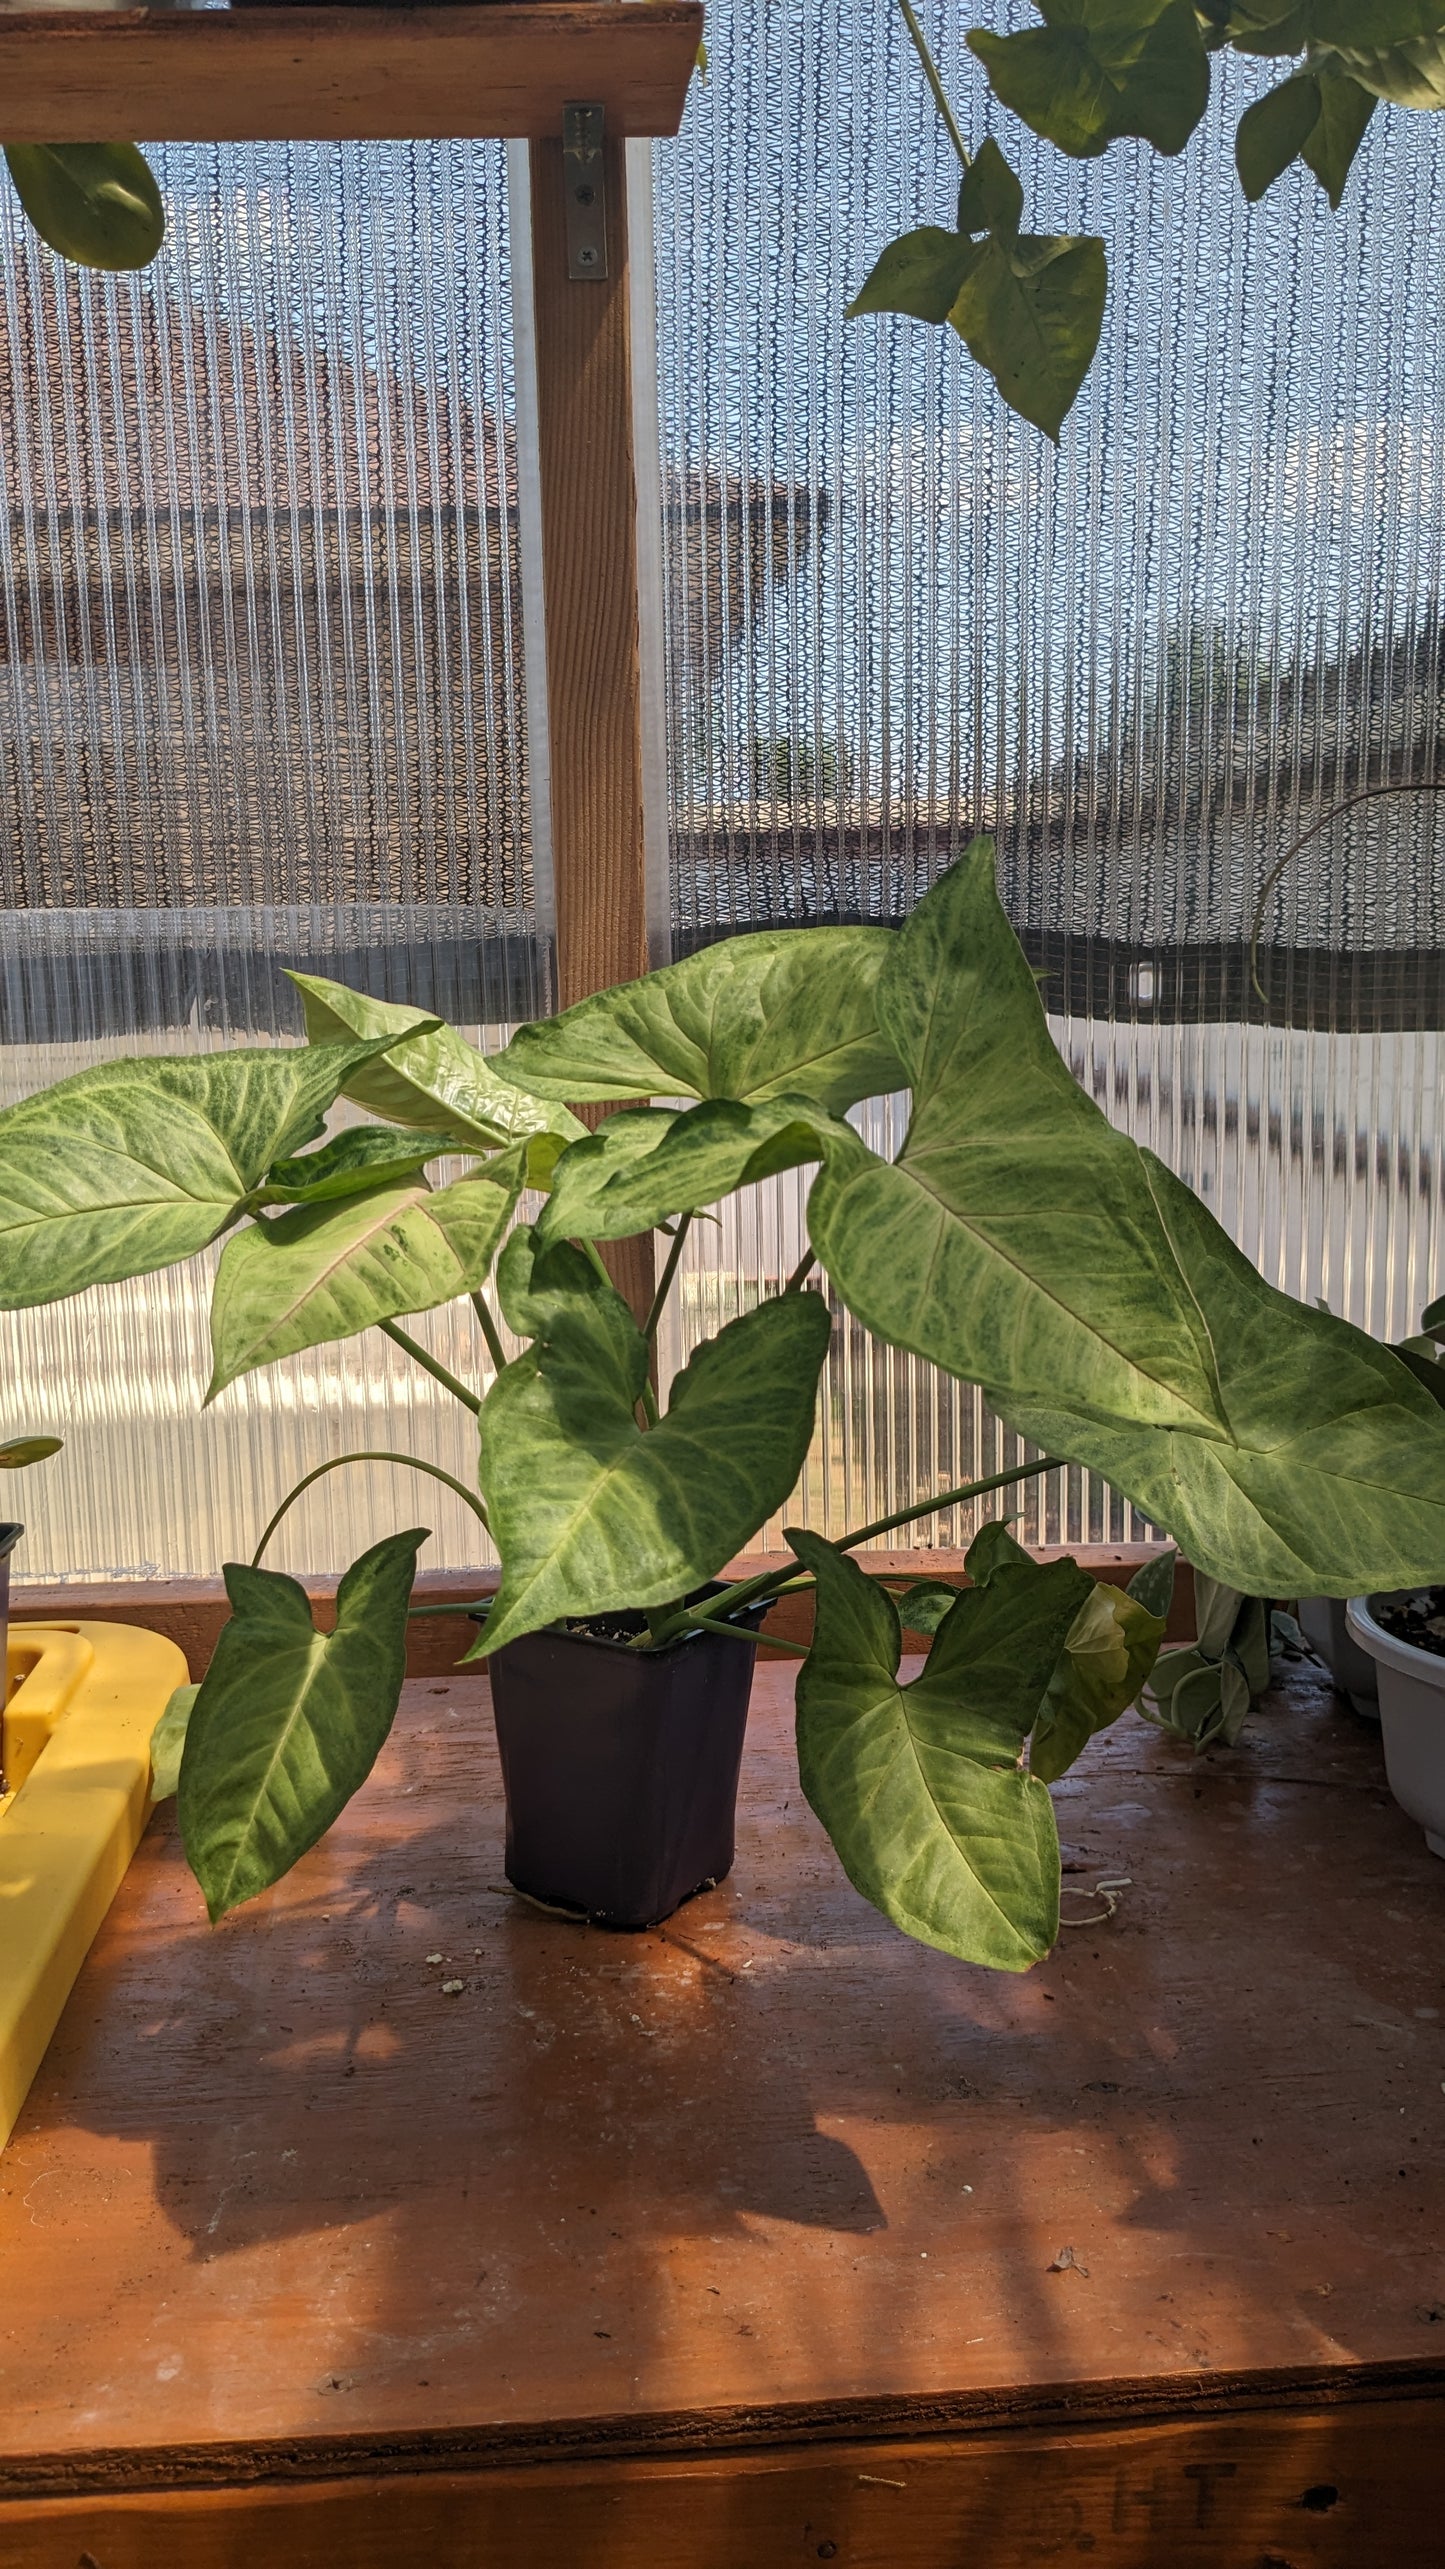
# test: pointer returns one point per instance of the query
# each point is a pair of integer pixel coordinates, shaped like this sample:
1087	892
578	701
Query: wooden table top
276	2199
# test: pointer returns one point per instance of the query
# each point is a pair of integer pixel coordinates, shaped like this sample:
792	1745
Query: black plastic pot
9	1537
620	1767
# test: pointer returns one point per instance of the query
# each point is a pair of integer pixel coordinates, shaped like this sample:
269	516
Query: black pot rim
9	1537
746	1615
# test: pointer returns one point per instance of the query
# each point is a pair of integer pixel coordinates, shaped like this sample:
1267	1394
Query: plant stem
664	1282
951	1498
432	1365
801	1272
1336	812
771	1582
490	1331
931	75
411	1462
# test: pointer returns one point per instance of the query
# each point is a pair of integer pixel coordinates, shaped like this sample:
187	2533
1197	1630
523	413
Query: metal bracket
582	189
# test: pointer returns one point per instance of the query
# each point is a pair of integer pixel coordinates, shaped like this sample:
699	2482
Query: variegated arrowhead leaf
435	1079
1024	1244
328	1270
786	1010
133	1165
651	1163
589	1513
288	1721
920	1787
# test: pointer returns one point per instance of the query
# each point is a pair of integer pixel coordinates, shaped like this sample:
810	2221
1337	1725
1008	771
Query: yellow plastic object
75	1735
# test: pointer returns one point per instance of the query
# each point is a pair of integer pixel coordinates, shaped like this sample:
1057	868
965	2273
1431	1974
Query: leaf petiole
935	83
431	1364
411	1462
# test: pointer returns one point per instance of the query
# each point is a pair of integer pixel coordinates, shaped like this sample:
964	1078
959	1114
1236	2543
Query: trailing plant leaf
363	1156
1153	1584
1333	140
648	1165
20	1452
1097	70
757	1017
433	1080
168	1741
920	274
288	1721
96	203
1028	308
1107	1653
1023	1244
133	1165
330	1270
1205	1693
1273	132
588	1513
1030	312
920	1787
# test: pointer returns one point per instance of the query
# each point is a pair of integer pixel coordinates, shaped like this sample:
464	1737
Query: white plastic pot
1412	1718
1322	1621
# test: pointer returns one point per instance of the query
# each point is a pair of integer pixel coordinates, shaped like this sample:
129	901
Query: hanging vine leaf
96	203
1330	146
1272	133
1096	71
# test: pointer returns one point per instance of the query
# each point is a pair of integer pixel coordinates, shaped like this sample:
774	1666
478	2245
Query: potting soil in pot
1418	1618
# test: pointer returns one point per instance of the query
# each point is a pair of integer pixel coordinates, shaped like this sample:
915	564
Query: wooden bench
764	2238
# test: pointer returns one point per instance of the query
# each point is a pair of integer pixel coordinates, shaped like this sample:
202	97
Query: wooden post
589	579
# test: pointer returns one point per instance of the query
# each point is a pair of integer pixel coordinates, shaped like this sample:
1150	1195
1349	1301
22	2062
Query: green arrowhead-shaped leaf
920	273
649	1164
923	1605
1153	1584
96	203
363	1156
436	1081
1030	312
20	1452
1100	69
1330	146
788	1009
289	1721
134	1164
588	1513
1108	1654
919	1787
329	1270
1023	1244
1273	132
168	1741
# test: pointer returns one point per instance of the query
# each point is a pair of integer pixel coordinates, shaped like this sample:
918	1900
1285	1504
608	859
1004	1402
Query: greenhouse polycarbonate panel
261	703
1147	659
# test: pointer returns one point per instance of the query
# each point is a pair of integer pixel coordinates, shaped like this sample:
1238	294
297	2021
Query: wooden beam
590	587
327	74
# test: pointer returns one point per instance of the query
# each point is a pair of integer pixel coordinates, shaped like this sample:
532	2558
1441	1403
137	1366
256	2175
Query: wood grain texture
1343	2488
190	1612
279	2211
284	74
589	569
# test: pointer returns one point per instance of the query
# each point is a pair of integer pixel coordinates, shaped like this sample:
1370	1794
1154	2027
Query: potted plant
1398	1640
1017	1240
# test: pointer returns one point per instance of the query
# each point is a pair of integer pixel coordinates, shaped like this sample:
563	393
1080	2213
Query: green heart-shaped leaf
1097	70
991	196
789	1009
435	1081
288	1721
96	203
1108	1654
1273	132
920	274
133	1165
1023	1244
919	1787
1030	312
329	1270
1330	146
589	1513
651	1163
168	1742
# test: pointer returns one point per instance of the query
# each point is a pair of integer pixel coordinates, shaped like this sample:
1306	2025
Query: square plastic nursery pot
620	1767
1412	1715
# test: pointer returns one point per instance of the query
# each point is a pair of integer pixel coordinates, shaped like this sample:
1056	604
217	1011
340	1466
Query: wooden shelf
328	74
